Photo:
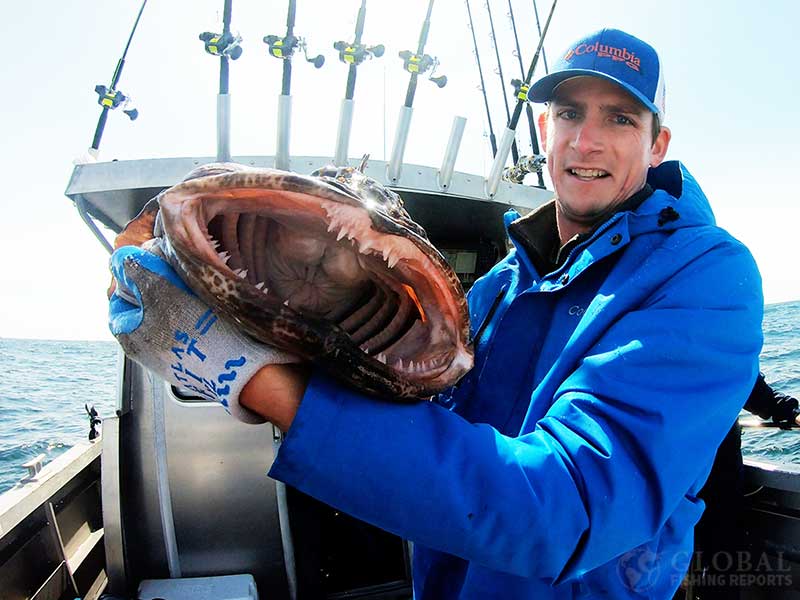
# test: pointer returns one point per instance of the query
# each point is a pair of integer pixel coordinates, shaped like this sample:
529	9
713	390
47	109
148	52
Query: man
619	340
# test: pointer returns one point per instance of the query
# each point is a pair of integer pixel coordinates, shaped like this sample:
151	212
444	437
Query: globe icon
639	569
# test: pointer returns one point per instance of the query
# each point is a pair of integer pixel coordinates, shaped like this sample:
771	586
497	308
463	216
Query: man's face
599	147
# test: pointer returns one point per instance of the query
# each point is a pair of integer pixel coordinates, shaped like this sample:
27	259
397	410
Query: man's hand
161	324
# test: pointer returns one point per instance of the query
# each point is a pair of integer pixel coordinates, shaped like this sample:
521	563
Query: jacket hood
677	201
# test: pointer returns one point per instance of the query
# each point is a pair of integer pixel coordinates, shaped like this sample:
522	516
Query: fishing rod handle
101	125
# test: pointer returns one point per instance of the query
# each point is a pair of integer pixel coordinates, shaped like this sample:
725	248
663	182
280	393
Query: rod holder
450	154
34	465
284	126
399	147
223	127
499	162
343	135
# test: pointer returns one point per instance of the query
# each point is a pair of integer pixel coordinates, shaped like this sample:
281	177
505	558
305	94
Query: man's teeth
588	172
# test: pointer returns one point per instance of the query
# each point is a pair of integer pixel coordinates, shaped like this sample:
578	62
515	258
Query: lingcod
329	267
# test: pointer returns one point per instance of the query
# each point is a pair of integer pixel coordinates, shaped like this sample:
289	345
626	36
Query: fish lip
195	203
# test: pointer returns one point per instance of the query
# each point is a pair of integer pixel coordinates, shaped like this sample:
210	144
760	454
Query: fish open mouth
313	255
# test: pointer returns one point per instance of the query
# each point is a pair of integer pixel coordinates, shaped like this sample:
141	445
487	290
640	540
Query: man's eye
568	114
622	120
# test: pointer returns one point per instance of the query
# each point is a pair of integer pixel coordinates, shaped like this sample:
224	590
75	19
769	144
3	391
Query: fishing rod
517	83
284	48
492	138
226	46
110	97
539	30
416	64
522	97
514	151
749	422
352	54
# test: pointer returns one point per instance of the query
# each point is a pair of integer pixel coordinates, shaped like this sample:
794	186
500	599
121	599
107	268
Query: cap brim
542	90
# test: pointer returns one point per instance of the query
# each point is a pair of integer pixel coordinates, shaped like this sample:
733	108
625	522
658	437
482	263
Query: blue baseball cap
613	55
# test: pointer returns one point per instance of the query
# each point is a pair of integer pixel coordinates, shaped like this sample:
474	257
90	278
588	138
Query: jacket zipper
488	318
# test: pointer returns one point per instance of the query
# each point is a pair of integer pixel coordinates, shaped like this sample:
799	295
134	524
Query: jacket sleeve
631	432
767	402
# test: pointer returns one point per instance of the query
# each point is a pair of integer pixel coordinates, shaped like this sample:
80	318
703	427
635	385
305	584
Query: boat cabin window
190	396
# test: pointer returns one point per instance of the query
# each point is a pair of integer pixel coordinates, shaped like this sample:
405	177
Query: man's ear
660	146
543	129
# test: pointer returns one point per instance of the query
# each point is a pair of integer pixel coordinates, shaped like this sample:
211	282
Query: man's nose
587	137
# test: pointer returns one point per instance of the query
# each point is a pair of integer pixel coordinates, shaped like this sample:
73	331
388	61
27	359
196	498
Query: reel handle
440	81
317	61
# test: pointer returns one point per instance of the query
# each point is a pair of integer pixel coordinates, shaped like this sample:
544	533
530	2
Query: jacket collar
674	201
538	232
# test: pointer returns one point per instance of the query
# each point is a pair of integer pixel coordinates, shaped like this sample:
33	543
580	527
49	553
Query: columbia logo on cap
605	51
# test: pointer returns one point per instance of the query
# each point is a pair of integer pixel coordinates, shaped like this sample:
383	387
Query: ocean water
45	385
43	390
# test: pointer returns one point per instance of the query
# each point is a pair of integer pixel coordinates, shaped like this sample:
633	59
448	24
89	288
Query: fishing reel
94	421
420	64
520	89
524	166
284	48
111	99
355	54
225	45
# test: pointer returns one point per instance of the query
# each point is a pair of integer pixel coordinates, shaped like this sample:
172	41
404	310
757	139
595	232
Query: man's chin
585	214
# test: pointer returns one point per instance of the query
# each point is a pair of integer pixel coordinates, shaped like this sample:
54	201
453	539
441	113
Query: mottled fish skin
328	197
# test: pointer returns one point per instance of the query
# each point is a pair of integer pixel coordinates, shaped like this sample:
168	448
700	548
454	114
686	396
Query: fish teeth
286	302
381	357
392	260
399	364
341	234
214	243
225	256
242	274
260	285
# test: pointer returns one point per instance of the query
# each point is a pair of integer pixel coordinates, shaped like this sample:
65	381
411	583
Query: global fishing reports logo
641	569
606	51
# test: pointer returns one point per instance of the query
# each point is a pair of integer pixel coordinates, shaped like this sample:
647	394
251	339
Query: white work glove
164	326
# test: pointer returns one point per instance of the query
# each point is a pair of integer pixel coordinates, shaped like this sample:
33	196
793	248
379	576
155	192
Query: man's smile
587	174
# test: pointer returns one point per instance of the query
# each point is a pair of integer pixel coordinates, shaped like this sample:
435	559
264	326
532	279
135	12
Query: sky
732	90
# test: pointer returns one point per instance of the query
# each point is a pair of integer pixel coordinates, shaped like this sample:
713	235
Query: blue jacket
567	463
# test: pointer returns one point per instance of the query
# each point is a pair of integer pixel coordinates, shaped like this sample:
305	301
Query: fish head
329	267
384	206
